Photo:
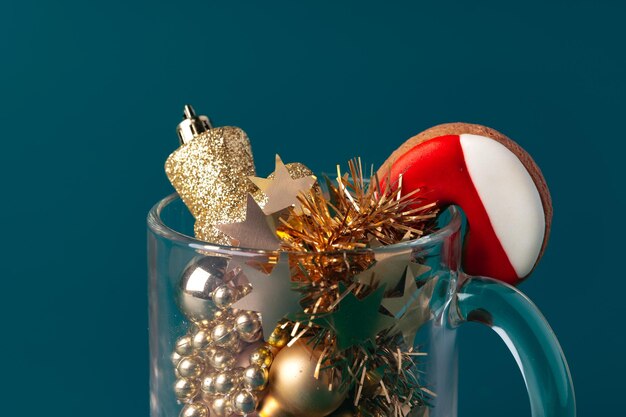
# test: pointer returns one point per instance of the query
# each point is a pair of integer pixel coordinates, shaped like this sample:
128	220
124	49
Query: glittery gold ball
294	388
194	410
190	366
185	389
261	356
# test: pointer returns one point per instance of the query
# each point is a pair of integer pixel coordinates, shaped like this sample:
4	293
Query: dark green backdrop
90	93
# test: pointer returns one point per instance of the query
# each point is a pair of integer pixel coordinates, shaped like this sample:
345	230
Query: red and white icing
497	193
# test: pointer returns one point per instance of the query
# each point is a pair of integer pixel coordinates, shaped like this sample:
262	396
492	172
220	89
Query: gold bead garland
204	358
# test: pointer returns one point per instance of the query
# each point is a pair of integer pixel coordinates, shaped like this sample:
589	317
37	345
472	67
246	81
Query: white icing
510	198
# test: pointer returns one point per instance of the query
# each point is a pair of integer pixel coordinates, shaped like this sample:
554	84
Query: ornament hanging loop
192	125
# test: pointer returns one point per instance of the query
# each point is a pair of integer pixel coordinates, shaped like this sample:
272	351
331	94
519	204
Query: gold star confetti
356	320
388	268
412	308
257	231
282	191
273	295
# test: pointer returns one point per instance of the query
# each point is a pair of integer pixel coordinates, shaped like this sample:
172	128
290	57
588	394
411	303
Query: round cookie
497	184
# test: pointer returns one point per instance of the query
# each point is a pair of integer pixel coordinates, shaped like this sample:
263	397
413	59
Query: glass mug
193	343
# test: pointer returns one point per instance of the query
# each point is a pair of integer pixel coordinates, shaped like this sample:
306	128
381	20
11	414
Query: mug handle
528	336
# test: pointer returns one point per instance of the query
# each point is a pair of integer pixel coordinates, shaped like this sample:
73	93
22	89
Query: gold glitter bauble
293	388
210	173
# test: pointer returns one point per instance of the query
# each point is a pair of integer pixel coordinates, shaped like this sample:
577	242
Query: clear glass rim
158	227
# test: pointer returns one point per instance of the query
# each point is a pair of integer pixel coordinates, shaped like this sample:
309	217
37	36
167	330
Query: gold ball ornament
223	334
261	356
176	357
220	358
221	406
279	337
248	326
208	384
185	389
255	378
197	284
235	345
293	388
196	409
226	381
244	402
224	296
183	346
201	340
190	367
251	337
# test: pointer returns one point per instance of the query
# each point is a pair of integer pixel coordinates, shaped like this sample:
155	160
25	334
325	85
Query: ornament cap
192	125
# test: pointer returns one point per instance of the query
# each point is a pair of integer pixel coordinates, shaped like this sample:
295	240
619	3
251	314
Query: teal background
91	91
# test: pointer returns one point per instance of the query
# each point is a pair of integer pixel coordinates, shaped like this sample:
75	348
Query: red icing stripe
438	166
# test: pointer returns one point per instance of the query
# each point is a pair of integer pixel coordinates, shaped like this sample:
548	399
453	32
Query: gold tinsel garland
355	213
329	239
